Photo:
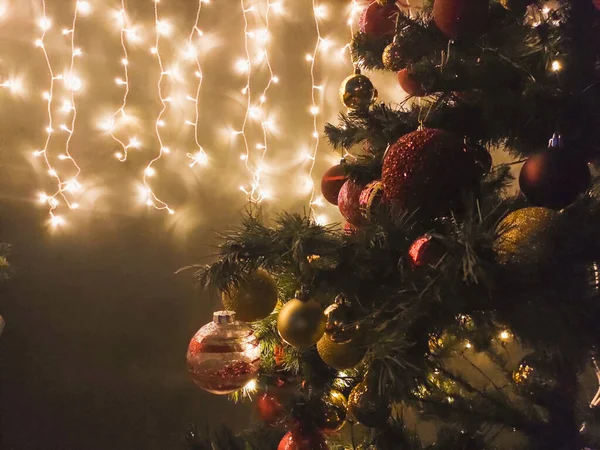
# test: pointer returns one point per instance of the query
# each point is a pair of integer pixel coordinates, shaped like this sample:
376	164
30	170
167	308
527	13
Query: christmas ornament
301	323
597	4
392	57
349	203
368	407
425	251
269	408
332	182
253	298
409	84
481	157
341	356
333	415
341	321
379	20
536	374
525	235
357	92
349	229
553	178
224	355
371	200
303	440
459	19
279	354
426	170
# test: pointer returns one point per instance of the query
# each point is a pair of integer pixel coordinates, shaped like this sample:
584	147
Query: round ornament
301	323
342	323
224	355
379	20
459	19
368	407
409	84
357	91
596	4
426	170
334	412
269	408
371	200
553	179
425	251
331	183
349	229
254	297
392	57
525	235
349	203
340	356
303	440
536	374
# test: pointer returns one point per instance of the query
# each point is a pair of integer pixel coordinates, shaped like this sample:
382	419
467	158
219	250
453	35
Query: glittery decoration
357	92
342	321
349	203
536	374
426	170
332	182
335	409
301	323
303	440
254	297
349	229
224	355
416	249
368	407
379	20
459	19
341	356
525	236
392	58
371	199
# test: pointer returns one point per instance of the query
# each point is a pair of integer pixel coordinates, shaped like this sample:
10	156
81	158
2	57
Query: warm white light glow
83	7
556	66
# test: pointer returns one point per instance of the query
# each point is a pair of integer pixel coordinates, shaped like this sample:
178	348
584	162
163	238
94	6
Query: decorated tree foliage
457	308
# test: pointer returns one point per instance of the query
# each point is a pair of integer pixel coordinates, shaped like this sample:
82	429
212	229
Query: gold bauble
357	92
525	236
340	356
254	297
301	323
368	406
335	410
391	57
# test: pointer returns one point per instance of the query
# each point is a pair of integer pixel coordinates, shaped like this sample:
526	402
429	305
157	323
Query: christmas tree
449	312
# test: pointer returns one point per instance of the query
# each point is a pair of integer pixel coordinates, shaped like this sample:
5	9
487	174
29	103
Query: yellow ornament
525	236
357	91
392	57
335	410
254	297
301	323
340	356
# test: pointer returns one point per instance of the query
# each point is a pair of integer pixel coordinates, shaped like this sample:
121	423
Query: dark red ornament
426	170
425	251
409	84
269	408
371	200
349	202
379	20
553	178
349	229
459	19
303	440
332	182
597	4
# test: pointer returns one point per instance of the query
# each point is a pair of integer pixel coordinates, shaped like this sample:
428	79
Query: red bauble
371	200
597	4
349	229
425	251
553	178
301	440
349	202
379	20
332	182
427	170
459	19
409	84
269	408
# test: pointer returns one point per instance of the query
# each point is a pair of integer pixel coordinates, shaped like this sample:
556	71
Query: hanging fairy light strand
162	28
199	156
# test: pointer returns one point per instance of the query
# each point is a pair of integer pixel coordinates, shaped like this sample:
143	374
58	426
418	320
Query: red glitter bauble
224	355
269	408
371	200
426	170
409	84
425	251
379	20
349	202
332	182
459	19
300	440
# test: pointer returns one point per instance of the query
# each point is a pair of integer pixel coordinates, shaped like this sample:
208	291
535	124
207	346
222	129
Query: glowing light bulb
45	24
314	110
83	7
198	158
72	82
556	66
275	79
468	345
163	27
308	57
320	11
56	221
242	65
505	335
150	172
